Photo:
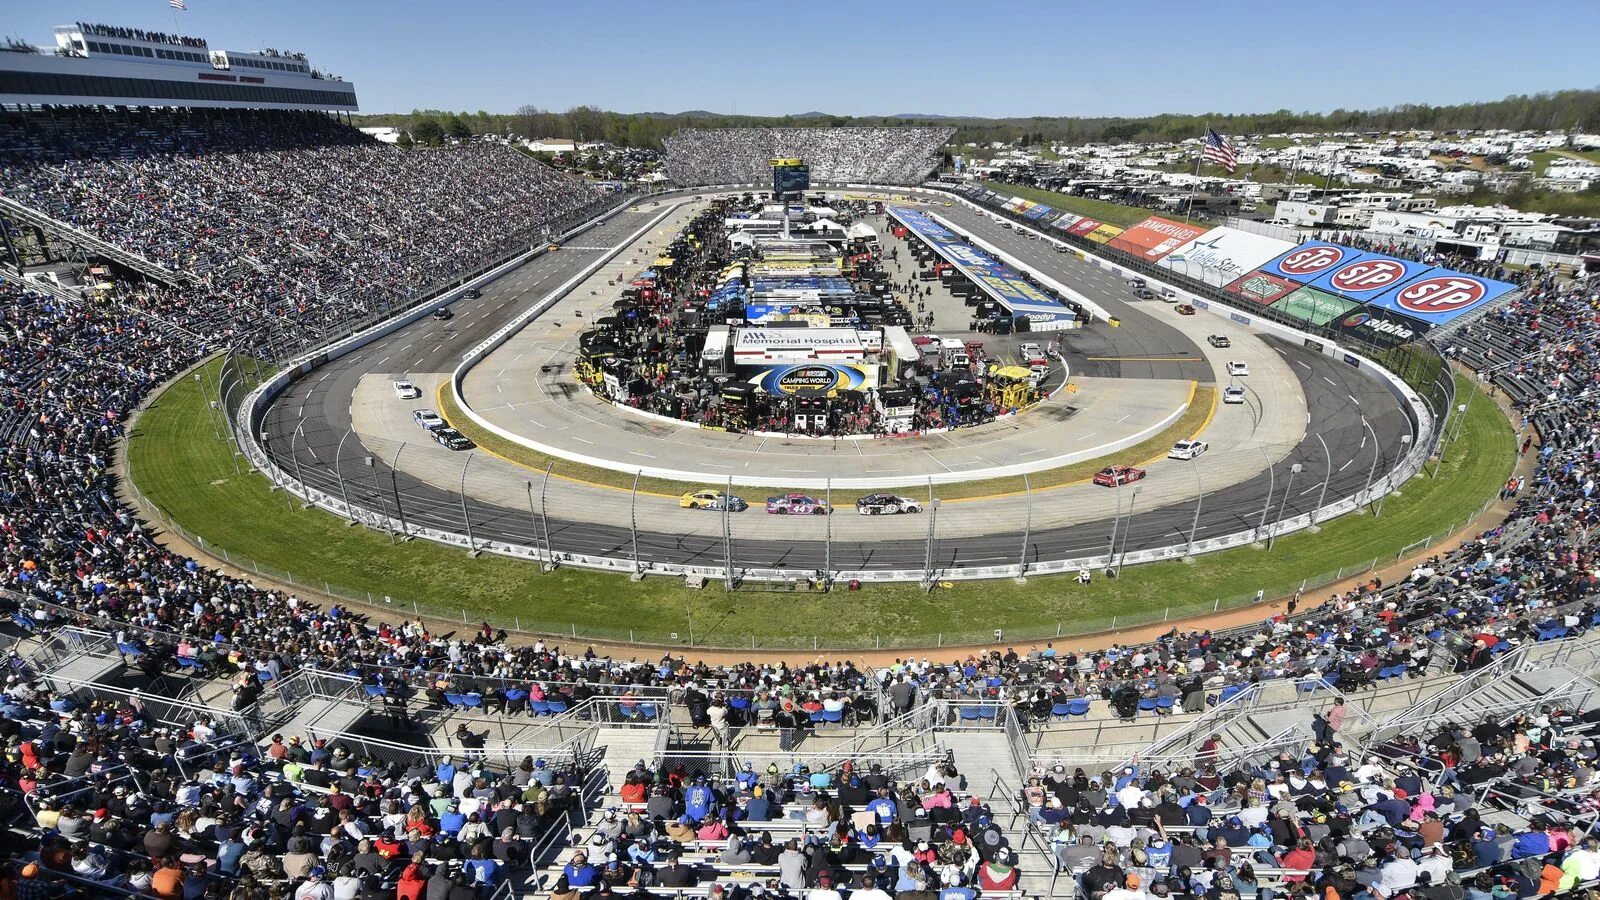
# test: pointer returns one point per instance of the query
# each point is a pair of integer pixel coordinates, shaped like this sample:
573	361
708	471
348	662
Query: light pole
633	518
727	537
1272	536
933	519
1027	529
827	534
544	512
465	516
533	519
1116	522
211	408
1326	475
1133	497
338	454
1199	498
1265	507
394	485
377	492
1405	443
294	456
1366	492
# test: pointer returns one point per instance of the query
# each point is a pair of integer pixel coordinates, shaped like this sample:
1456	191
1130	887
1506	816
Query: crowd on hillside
293	217
1485	810
835	155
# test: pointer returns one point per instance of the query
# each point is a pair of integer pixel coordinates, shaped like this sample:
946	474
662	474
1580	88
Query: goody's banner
1441	296
812	378
1262	287
1155	237
1367	275
1223	255
1083	226
1314	306
1104	233
1306	262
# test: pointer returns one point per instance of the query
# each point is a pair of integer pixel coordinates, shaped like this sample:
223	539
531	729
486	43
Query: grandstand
176	731
907	156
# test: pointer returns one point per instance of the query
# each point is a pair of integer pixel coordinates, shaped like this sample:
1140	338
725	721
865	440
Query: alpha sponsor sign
1223	255
1314	306
1367	275
1155	237
1441	296
1309	261
1375	326
1261	287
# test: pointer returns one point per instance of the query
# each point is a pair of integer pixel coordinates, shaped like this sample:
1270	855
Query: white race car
405	390
1187	449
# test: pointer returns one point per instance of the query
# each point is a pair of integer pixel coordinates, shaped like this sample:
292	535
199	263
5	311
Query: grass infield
1114	213
179	465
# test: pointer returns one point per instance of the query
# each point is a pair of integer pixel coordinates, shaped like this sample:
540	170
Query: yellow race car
709	499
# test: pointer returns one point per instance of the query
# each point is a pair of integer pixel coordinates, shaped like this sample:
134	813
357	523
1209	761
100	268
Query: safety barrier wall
254	407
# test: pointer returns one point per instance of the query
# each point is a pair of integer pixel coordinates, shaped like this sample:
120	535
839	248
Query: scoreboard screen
788	180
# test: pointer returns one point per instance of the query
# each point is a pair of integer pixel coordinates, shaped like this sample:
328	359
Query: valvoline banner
1366	275
811	378
1441	296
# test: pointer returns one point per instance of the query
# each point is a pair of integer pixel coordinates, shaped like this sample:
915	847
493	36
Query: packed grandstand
698	156
176	731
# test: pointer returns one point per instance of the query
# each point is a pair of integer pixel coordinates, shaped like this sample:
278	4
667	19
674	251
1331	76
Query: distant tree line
1559	111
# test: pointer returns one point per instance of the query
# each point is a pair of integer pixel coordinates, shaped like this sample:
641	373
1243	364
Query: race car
709	499
1187	449
1219	340
1184	309
886	505
1237	368
471	294
796	505
1111	476
427	419
1032	355
405	390
443	314
452	439
1233	394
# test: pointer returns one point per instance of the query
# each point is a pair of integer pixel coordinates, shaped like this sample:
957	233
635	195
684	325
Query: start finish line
1019	297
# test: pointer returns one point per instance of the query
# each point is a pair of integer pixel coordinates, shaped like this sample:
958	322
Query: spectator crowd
835	155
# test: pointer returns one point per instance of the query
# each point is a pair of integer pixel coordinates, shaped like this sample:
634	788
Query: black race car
886	505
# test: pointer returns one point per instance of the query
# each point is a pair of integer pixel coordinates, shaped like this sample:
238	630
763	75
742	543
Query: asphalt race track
1358	419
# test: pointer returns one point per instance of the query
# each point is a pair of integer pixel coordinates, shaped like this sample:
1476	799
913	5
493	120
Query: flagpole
1189	207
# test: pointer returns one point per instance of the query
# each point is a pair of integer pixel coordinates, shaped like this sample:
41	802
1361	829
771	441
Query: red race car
1111	476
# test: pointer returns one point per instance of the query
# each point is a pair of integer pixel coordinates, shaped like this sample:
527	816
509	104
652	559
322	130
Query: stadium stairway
95	246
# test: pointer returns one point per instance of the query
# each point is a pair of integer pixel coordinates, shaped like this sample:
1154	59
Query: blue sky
893	56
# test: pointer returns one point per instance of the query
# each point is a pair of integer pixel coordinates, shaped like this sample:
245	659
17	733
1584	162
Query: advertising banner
1036	212
1367	275
1441	296
1155	237
1260	287
1083	226
1377	326
1066	222
1104	233
1024	206
1013	204
1314	306
812	379
1223	255
1309	260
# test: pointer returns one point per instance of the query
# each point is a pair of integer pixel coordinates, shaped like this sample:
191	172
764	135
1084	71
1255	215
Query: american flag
176	4
1219	151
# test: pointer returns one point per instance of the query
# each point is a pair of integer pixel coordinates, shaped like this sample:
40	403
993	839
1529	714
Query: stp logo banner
1309	260
1368	275
1441	295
